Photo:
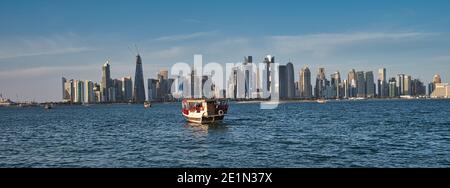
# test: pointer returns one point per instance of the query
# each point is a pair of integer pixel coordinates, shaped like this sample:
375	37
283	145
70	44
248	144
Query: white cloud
185	36
57	44
322	44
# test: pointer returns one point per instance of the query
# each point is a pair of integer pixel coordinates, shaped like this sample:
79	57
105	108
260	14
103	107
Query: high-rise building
117	84
382	83
352	89
106	82
432	85
282	82
64	96
345	88
407	85
247	71
152	89
89	95
417	88
127	89
305	86
400	84
393	91
360	84
97	93
290	80
268	60
79	91
442	90
68	95
319	90
139	88
335	84
370	85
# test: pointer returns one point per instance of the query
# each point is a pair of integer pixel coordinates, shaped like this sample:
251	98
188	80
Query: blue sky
40	41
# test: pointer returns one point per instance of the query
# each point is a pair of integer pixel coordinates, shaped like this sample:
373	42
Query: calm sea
389	133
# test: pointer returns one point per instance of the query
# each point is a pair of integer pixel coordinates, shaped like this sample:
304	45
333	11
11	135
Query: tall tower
139	88
320	83
290	80
106	82
269	59
370	85
305	83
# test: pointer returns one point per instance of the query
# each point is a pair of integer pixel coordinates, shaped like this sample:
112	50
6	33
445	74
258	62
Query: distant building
432	85
69	92
442	90
319	90
305	87
127	89
383	86
407	85
290	78
370	85
418	88
352	84
393	91
360	84
79	91
97	93
152	89
139	89
106	82
268	60
117	85
282	82
335	85
160	89
89	95
400	84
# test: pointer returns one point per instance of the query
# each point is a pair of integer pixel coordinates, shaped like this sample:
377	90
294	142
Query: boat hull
204	119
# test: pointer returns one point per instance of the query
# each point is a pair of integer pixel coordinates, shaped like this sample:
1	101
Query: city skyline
247	81
43	41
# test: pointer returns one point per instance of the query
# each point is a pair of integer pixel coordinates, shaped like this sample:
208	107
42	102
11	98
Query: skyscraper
352	90
360	84
68	95
152	89
382	83
320	84
139	88
282	82
432	85
335	85
417	88
268	60
393	91
305	86
106	82
290	80
370	85
79	91
400	84
127	89
407	85
89	95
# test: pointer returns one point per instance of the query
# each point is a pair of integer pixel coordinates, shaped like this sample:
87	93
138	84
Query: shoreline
28	105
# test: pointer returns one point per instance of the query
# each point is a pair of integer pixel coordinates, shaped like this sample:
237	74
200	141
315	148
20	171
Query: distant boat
147	104
321	101
48	106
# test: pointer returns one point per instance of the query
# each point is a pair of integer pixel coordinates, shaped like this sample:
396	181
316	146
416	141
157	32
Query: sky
41	41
